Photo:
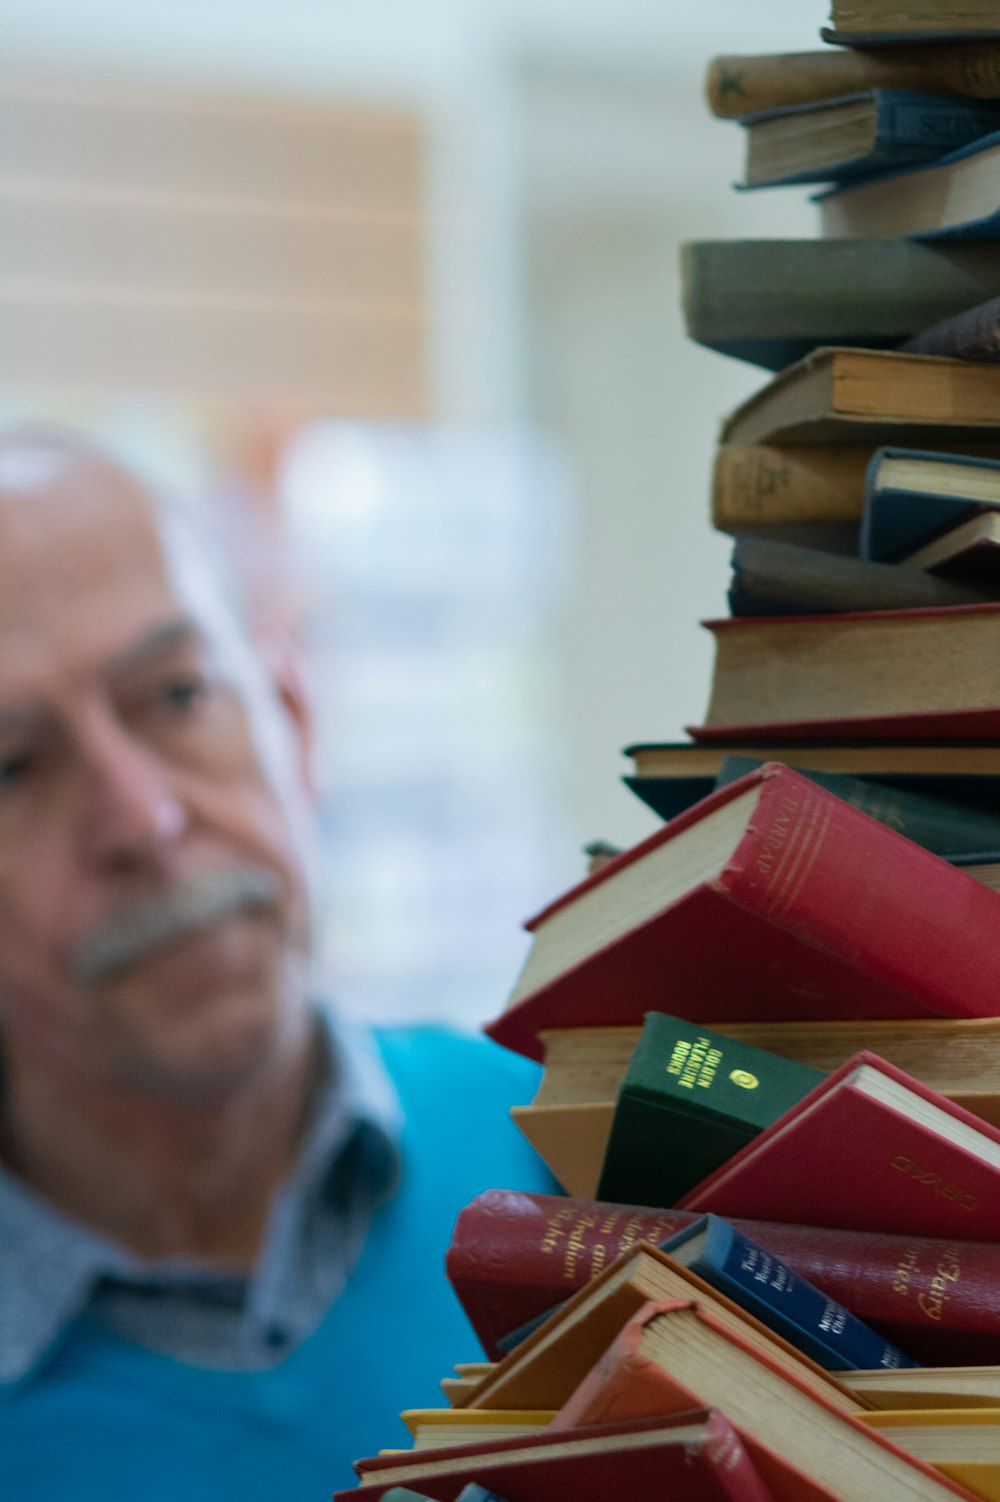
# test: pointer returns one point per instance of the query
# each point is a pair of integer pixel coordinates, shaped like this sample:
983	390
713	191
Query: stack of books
771	1031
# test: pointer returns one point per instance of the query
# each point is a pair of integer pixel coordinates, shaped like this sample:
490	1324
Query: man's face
153	912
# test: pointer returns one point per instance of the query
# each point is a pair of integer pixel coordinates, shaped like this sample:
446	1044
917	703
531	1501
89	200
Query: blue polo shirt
99	1414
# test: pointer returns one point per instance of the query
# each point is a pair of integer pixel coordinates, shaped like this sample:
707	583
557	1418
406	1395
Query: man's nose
132	808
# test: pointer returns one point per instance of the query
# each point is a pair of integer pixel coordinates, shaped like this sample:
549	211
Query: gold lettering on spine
934	1181
932	1300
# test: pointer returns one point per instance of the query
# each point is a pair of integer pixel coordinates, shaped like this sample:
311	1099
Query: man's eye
13	768
181	693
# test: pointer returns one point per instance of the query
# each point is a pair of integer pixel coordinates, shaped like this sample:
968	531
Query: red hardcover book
695	1456
865	675
514	1255
670	1355
771	899
870	1149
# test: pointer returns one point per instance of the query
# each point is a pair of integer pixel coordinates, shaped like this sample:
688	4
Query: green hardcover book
772	301
948	829
689	1100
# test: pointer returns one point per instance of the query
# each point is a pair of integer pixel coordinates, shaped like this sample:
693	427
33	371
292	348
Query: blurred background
407	272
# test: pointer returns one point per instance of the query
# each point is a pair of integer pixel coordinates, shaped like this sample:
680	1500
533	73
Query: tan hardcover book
761	490
744	85
858	396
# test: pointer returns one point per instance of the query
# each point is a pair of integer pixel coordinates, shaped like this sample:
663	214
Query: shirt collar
50	1263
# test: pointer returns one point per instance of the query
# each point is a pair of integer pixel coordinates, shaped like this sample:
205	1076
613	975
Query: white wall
571	154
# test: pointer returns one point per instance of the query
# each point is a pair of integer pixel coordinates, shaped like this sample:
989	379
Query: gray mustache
157	921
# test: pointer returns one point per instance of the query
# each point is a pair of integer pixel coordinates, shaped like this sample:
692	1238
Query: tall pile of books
771	1031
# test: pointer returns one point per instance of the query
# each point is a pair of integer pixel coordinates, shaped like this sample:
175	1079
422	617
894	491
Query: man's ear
284	658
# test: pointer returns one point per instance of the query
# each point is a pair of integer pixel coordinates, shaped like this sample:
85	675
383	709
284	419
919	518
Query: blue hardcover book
769	1289
914	495
858	135
921	202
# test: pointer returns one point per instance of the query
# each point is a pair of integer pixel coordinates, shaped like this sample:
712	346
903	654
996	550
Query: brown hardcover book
865	22
870	396
744	85
544	1369
870	674
793	494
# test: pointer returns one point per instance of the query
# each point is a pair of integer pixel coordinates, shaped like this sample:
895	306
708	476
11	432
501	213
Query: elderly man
222	1219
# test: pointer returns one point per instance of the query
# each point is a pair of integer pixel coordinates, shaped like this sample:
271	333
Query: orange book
675	1355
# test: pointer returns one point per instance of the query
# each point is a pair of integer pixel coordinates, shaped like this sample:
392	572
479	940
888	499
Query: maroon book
870	1148
514	1255
770	900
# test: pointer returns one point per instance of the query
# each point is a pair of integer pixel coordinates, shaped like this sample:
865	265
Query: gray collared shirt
53	1268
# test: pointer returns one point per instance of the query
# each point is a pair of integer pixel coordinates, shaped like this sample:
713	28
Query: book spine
769	1288
759	487
926	126
972	335
515	1254
691	1098
737	86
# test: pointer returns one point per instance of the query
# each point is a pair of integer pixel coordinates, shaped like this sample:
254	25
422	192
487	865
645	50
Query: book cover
900	127
696	1456
773	301
690	1099
672	1354
803	907
514	1255
898	518
781	1297
870	1149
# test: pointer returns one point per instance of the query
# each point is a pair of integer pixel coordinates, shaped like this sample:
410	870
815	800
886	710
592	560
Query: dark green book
772	301
948	829
690	1099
